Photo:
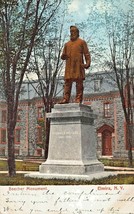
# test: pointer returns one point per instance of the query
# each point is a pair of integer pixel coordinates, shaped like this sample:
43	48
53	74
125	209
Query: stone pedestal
72	145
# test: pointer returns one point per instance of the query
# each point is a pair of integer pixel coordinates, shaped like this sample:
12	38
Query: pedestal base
72	145
95	175
71	167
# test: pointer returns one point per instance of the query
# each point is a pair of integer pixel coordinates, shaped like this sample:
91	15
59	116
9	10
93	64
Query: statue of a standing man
74	53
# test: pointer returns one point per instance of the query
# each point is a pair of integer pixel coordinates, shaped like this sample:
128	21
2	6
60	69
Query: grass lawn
20	166
19	179
30	166
116	162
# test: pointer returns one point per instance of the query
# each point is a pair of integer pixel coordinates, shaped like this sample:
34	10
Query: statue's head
74	33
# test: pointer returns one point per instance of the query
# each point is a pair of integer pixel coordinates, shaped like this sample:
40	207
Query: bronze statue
73	53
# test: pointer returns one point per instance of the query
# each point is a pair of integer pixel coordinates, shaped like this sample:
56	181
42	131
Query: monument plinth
72	145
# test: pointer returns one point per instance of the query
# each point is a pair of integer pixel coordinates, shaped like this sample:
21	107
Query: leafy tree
118	24
20	23
47	65
120	31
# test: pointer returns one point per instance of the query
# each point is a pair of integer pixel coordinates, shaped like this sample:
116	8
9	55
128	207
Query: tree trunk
129	141
11	155
47	137
10	135
49	105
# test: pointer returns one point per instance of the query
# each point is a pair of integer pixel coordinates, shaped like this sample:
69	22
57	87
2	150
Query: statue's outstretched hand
64	57
85	66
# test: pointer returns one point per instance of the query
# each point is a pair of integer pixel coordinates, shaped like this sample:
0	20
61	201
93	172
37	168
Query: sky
80	10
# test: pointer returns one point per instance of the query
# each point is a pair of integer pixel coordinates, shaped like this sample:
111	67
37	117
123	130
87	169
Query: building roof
94	83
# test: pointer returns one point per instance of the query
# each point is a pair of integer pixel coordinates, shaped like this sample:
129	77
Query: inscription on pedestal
64	135
72	146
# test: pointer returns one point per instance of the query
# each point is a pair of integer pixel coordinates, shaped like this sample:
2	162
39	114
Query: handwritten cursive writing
98	199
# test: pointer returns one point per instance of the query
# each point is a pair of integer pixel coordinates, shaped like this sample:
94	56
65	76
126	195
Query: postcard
73	145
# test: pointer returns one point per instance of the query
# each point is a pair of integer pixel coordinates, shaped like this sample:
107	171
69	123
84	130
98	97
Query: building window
2	152
39	152
17	136
4	116
3	135
97	85
19	115
39	134
106	109
16	152
40	112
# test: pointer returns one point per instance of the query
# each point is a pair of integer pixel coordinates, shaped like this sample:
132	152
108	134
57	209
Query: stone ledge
72	162
76	177
70	114
50	167
71	107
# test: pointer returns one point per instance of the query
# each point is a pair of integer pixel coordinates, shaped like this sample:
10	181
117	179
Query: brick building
100	93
